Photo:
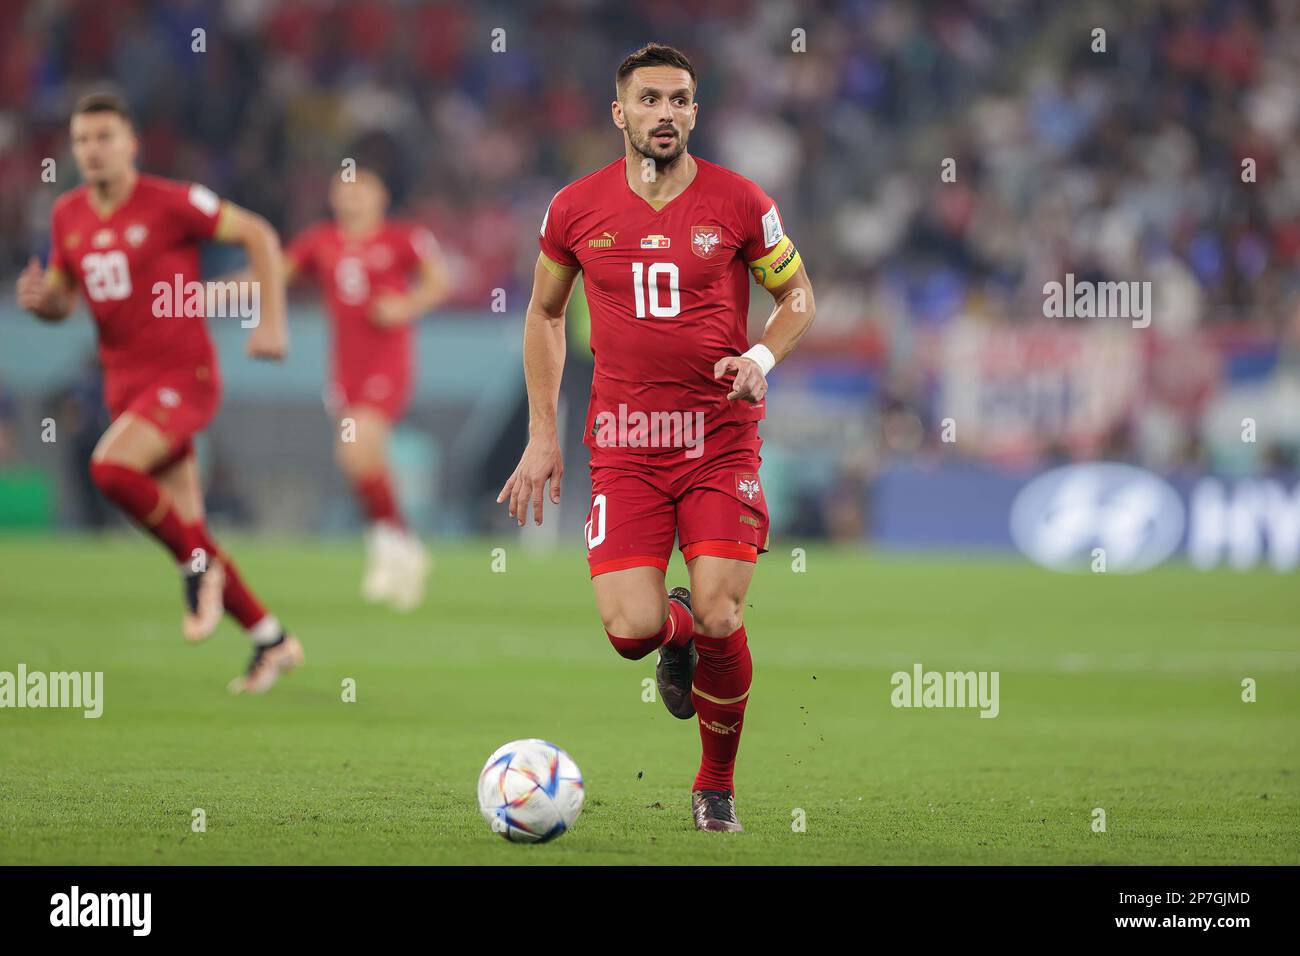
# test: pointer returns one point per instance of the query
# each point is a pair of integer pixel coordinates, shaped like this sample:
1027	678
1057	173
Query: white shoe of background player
410	567
381	546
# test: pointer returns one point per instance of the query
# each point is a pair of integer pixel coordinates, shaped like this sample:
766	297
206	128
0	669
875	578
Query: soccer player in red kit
364	263
666	243
128	241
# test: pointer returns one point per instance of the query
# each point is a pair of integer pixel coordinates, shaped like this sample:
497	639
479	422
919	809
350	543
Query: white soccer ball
530	791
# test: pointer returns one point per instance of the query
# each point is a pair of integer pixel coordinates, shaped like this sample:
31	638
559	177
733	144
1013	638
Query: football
530	791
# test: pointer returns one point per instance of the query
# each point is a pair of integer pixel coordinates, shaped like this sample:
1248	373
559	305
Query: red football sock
375	493
239	601
677	629
635	648
683	625
720	692
139	496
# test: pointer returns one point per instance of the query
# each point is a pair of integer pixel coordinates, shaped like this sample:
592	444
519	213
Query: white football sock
266	631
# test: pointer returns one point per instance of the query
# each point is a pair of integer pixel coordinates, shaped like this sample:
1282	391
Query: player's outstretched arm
45	293
792	317
270	337
542	460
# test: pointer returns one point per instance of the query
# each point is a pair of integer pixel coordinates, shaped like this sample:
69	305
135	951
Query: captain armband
776	267
558	269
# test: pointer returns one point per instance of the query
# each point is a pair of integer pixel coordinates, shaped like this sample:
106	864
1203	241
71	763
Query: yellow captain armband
225	228
776	267
562	272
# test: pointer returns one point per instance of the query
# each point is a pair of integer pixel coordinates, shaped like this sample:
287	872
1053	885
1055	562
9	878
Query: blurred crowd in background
1112	155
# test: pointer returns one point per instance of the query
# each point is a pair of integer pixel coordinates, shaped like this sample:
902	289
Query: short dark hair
653	54
104	101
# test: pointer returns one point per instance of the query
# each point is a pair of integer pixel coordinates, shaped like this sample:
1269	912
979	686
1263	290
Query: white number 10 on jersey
642	277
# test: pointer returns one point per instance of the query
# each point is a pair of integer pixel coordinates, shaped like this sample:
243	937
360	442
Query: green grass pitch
1122	693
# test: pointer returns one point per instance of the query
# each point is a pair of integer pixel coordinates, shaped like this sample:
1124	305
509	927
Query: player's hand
750	383
390	309
32	288
541	462
269	341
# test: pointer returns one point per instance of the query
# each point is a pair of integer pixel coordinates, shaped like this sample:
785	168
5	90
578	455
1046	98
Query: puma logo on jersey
603	243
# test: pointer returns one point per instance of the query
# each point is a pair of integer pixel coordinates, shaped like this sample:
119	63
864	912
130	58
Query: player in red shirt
364	263
666	243
130	242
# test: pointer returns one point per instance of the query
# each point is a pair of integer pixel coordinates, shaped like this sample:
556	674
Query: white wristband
762	355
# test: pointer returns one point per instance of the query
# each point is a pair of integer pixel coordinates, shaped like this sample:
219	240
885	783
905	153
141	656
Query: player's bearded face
659	139
103	146
659	111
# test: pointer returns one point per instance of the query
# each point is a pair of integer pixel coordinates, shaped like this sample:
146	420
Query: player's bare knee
717	616
634	621
110	464
634	630
115	453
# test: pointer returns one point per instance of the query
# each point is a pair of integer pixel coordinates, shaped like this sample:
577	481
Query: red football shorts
385	388
712	504
180	404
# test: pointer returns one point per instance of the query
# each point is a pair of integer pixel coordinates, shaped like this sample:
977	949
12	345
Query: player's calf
141	497
720	692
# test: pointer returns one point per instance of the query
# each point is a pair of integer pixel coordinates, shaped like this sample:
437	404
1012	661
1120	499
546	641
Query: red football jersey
153	237
352	273
668	289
